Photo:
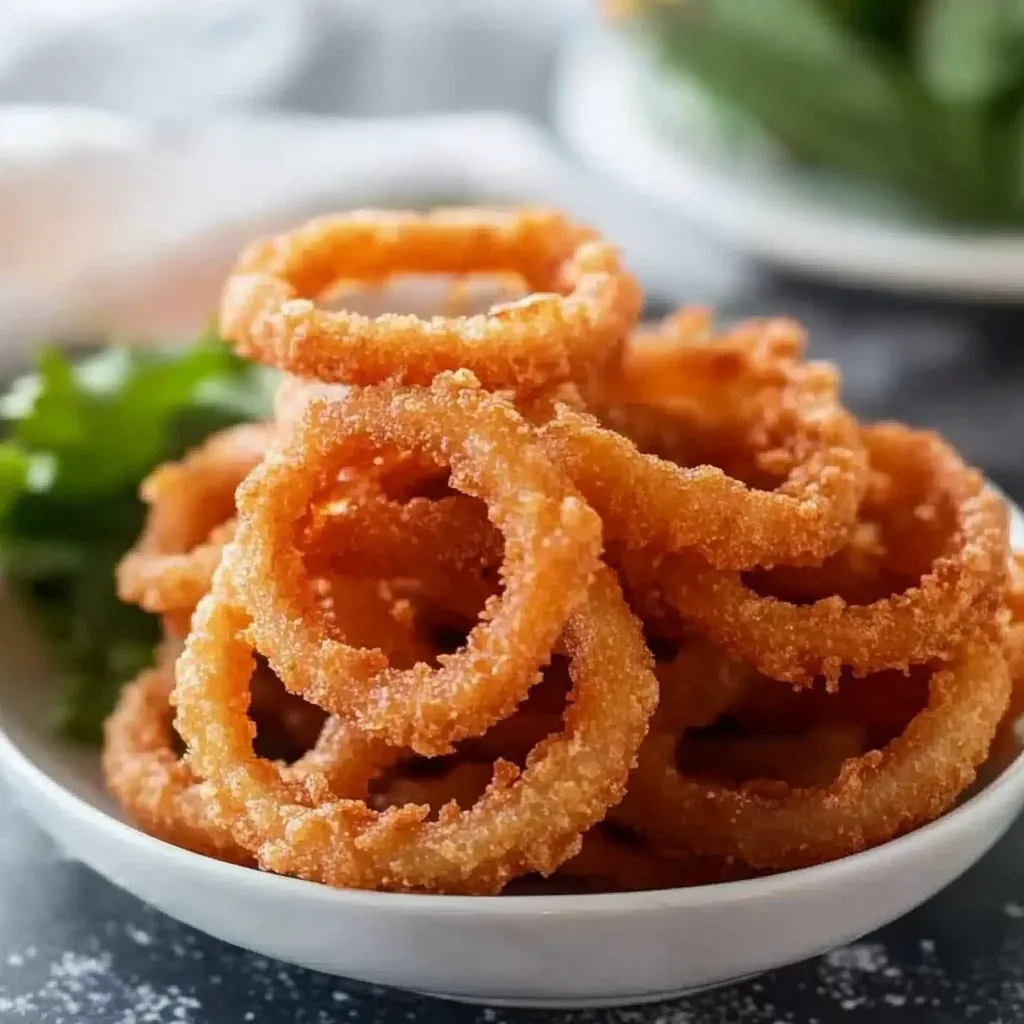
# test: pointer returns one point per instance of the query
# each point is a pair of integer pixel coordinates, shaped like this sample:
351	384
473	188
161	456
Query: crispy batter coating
582	304
553	542
528	821
875	796
790	414
190	502
931	492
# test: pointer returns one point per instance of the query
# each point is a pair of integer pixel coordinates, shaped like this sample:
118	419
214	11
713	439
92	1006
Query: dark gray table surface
73	948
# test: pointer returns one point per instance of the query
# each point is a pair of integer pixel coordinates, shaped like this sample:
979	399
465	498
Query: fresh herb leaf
78	441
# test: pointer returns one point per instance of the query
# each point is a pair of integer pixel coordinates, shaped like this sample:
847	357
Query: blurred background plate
609	109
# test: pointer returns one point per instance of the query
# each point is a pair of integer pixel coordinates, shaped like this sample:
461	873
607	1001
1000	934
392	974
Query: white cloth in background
183	58
150	57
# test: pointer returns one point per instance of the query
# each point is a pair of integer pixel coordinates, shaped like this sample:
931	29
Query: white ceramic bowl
527	950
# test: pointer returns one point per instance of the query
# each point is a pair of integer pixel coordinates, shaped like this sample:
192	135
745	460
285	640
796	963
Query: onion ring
647	500
552	546
798	643
146	775
682	361
913	779
189	501
158	791
585	304
529	821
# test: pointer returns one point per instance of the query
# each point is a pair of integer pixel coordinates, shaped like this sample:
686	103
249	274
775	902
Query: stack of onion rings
535	594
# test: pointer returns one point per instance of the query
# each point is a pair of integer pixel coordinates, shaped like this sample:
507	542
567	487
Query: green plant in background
79	439
923	96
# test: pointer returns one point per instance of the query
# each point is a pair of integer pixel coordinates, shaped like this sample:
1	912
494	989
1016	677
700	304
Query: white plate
552	951
602	109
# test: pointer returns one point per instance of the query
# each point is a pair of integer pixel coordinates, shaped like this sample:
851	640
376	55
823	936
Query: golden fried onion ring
170	567
644	499
553	541
798	642
526	821
584	304
876	796
145	773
